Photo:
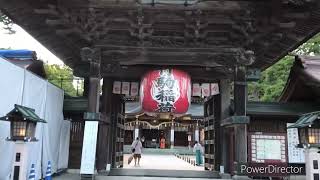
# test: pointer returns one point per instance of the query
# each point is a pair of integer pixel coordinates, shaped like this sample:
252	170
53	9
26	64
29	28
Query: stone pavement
77	177
169	166
165	162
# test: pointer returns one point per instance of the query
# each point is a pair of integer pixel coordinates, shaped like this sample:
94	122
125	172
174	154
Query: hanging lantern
166	91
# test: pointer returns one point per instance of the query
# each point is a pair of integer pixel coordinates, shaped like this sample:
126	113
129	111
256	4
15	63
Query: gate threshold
164	173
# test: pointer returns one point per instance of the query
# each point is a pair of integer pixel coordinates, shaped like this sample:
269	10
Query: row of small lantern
186	158
160	126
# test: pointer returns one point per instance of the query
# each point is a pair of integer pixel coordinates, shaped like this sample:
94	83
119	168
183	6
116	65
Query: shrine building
173	72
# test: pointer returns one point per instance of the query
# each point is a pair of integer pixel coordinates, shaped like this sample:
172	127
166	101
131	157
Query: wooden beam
46	12
56	22
136	72
218	49
132	4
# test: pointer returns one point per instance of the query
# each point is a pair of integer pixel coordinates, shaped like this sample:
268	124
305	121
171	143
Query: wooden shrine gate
76	140
212	132
110	136
117	126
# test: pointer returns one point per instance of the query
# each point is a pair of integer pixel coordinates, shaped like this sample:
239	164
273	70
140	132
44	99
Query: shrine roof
204	38
281	109
306	120
303	81
26	112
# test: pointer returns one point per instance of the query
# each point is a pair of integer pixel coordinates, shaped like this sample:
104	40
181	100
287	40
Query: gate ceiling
205	38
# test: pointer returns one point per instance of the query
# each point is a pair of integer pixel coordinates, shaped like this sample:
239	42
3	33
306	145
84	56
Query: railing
72	86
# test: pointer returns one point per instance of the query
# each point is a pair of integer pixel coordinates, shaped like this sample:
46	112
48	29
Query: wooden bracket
235	120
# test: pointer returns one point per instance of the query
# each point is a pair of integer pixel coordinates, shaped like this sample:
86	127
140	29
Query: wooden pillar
225	89
103	157
114	134
240	102
86	87
92	116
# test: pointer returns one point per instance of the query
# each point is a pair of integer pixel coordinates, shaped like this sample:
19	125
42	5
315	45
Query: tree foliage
274	78
62	76
272	81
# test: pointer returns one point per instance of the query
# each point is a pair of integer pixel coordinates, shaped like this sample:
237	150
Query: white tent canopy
18	86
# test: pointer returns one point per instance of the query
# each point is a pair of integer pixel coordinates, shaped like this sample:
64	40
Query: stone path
166	162
77	177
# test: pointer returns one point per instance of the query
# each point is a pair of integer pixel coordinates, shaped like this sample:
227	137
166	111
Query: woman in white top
197	148
136	148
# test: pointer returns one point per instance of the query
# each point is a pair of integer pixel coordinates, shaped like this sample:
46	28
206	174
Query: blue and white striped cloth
48	173
32	174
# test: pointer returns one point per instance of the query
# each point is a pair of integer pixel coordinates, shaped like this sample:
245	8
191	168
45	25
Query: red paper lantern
164	91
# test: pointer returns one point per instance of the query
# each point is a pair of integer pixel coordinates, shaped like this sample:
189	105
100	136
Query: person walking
136	148
197	148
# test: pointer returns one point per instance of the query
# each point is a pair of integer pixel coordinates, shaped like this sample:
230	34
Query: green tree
274	78
311	47
272	81
62	76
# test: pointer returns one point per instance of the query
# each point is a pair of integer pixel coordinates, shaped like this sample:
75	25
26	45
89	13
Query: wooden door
76	140
212	133
118	125
209	149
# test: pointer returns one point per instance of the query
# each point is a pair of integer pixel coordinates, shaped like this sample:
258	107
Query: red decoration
167	90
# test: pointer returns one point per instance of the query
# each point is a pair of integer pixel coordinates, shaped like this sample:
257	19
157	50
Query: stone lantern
309	138
23	121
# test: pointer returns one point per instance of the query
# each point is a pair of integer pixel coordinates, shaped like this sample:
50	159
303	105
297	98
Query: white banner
295	155
136	133
196	135
205	88
125	88
196	89
214	88
134	91
89	147
172	135
116	87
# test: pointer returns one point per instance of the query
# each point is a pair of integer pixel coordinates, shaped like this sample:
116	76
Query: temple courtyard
155	161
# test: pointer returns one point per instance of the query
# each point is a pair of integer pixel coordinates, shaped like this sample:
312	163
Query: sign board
125	88
214	88
196	89
253	74
89	147
205	88
134	91
116	87
268	147
295	155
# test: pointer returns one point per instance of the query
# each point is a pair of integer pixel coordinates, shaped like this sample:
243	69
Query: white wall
19	86
312	155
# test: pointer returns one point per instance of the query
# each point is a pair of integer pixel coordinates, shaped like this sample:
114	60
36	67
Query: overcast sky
22	40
